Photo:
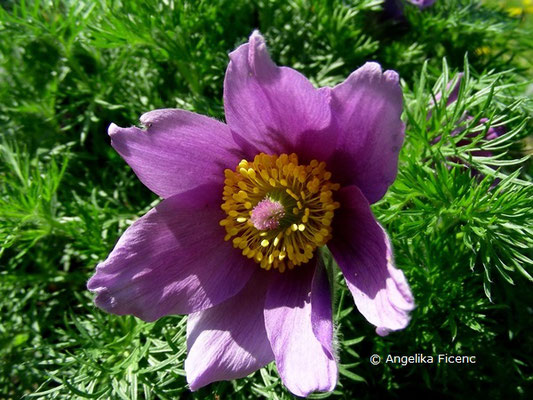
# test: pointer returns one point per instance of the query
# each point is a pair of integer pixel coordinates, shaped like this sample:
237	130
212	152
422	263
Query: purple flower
422	3
493	132
395	7
245	207
454	93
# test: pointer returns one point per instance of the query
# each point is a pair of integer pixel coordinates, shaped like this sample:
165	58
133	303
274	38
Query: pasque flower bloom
246	204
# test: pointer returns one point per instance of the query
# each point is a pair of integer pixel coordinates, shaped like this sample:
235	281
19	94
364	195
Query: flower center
278	212
266	214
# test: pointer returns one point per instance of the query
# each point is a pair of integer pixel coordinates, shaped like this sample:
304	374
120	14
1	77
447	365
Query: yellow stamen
302	197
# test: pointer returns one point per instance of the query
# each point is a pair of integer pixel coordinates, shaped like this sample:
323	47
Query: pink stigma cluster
267	214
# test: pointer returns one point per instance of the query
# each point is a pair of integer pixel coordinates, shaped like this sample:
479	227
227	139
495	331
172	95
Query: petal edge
174	153
367	107
364	254
302	362
229	341
160	265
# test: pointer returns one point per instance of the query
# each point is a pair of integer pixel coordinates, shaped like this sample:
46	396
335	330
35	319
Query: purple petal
422	3
454	92
493	132
321	312
178	151
173	260
367	107
229	341
363	251
274	109
304	363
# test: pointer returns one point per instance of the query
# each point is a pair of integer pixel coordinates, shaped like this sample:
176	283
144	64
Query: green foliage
461	226
28	207
459	213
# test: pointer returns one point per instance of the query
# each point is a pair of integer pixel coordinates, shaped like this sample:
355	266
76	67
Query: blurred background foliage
459	214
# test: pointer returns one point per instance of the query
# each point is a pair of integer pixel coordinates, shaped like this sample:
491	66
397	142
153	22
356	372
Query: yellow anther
305	218
264	174
291	193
